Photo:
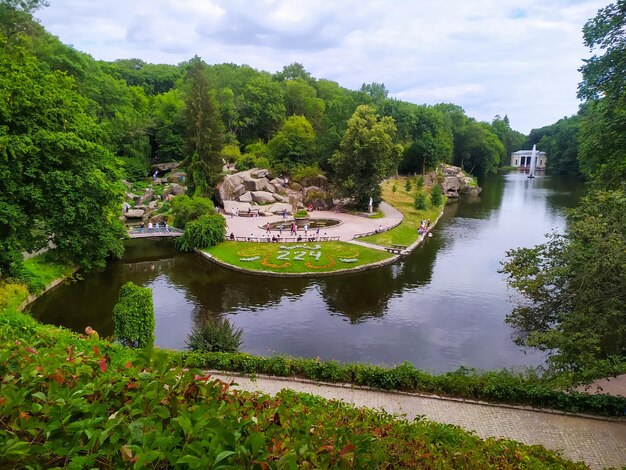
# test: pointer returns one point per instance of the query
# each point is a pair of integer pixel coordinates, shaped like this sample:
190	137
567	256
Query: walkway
349	227
151	233
599	443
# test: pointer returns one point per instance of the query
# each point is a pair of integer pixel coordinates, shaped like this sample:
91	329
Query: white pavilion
521	159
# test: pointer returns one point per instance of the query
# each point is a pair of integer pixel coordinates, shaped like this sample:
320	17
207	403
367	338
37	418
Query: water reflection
439	308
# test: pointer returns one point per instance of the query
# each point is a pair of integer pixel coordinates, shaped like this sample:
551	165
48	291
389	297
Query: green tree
261	109
420	202
168	126
204	232
204	132
57	185
301	99
560	142
574	304
366	157
187	209
603	129
133	316
293	144
436	196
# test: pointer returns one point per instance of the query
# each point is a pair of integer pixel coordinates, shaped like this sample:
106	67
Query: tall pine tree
205	131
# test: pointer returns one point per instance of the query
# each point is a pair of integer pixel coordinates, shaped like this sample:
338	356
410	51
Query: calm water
442	307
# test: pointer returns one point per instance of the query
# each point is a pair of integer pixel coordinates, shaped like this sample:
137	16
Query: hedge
497	386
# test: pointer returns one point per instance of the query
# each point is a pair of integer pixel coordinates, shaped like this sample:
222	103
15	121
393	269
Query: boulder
134	213
127	184
245	197
132	196
295	186
255	184
230	189
152	205
319	180
257	173
161	167
471	190
451	186
234	205
262	197
278	182
174	188
270	187
280	198
147	196
176	177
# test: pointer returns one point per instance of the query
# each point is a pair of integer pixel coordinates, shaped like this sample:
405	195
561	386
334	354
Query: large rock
132	196
262	197
320	181
147	196
254	184
245	197
230	189
176	177
451	186
256	173
234	205
174	189
161	167
134	213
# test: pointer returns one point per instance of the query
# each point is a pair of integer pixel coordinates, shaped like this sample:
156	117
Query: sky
491	57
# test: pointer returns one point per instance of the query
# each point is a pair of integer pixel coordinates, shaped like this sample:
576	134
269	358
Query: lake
439	308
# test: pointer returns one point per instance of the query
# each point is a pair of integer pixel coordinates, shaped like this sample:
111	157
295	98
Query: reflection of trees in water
489	199
366	295
221	290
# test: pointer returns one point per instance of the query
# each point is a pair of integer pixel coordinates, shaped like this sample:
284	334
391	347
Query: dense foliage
215	335
133	316
206	231
366	156
75	404
187	209
58	183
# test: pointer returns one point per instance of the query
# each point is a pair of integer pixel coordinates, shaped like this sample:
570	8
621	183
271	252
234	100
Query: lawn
296	258
406	232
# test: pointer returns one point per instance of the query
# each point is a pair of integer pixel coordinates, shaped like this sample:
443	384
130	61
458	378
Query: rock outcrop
258	187
457	182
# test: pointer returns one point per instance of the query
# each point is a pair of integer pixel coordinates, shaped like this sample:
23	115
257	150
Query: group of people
154	228
424	227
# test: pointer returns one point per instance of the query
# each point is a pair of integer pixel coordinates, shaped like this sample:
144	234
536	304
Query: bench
399	247
395	251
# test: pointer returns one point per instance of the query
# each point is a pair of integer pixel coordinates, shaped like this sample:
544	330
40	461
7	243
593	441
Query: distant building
521	159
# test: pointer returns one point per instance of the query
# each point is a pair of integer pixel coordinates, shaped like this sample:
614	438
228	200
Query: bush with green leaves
81	405
436	196
133	316
301	214
408	186
186	209
249	160
421	202
215	335
207	231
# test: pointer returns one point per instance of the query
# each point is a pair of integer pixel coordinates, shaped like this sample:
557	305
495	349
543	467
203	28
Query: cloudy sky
512	57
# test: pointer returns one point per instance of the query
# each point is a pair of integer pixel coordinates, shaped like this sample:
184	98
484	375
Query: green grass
406	232
311	257
42	270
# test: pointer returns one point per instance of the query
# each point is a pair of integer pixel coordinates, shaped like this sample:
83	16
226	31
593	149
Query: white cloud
489	56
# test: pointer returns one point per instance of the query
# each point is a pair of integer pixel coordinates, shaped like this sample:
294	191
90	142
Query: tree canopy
366	156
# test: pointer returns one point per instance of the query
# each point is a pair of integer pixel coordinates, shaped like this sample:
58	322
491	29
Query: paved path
612	386
599	443
350	224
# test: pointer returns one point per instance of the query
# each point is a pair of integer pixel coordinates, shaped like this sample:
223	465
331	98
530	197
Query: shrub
208	230
420	202
419	182
249	160
301	214
407	186
187	208
215	335
436	196
301	172
133	316
135	169
394	188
